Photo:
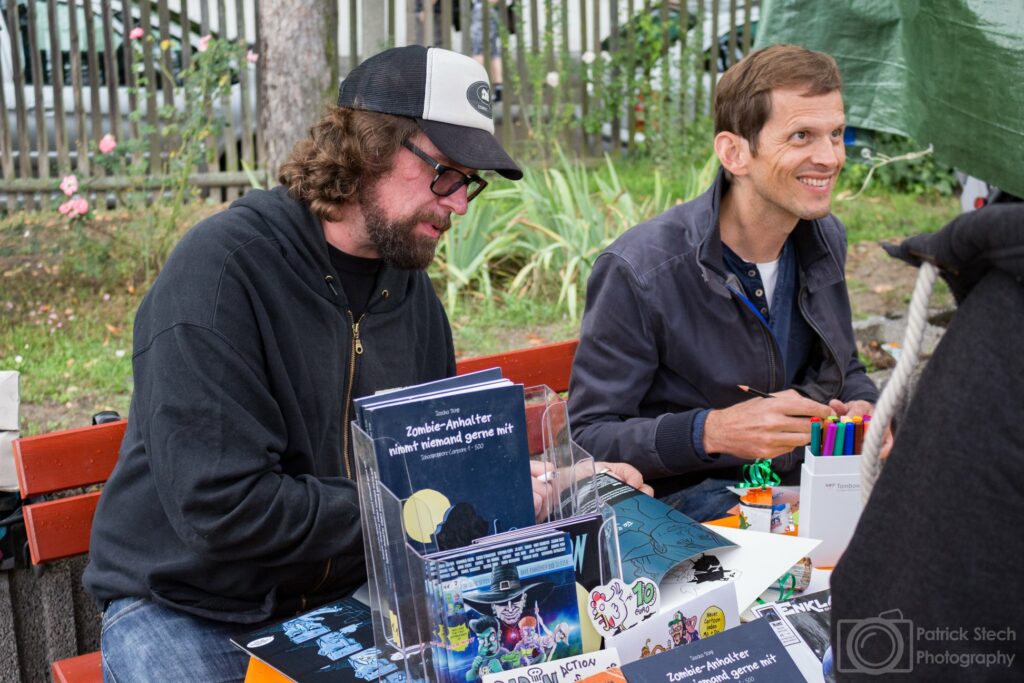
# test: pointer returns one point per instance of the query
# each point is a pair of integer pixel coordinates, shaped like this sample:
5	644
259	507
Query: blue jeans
705	501
144	641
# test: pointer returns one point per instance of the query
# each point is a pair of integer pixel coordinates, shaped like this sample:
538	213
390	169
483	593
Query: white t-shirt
769	276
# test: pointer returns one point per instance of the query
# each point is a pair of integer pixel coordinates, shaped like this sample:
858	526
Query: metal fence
70	74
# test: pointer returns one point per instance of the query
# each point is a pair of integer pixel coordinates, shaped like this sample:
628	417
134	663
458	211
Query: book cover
508	606
459	463
802	625
437	386
567	670
330	643
750	653
653	536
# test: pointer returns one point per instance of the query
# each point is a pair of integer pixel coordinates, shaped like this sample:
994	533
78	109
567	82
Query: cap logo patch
479	97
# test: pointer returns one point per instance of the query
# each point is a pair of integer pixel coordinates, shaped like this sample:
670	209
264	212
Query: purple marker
830	439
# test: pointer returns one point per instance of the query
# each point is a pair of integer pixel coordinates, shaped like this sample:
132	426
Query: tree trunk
296	76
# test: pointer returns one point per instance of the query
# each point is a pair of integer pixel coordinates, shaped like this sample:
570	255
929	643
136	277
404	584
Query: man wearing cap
233	500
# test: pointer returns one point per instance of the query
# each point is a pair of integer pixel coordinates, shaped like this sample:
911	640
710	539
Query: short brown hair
347	149
743	99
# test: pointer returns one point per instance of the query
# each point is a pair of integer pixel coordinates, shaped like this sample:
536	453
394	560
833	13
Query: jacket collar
817	263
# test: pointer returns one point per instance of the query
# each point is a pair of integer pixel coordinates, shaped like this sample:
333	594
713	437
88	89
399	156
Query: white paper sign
559	671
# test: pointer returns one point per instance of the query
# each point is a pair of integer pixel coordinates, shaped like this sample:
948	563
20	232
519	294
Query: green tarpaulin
945	72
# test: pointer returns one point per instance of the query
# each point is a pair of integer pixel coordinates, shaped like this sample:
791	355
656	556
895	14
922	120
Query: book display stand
409	618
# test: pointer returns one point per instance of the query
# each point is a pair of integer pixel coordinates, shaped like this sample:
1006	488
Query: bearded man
233	500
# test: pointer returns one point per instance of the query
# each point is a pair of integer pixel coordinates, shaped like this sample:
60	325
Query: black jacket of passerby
930	568
233	497
663	336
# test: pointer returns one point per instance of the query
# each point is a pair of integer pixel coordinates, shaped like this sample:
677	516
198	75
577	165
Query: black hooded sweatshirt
233	497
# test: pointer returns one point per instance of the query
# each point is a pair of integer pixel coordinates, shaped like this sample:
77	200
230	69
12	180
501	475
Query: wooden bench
70	459
57	529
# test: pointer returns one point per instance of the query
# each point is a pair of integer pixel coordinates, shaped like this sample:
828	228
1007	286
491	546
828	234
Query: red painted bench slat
82	669
549	364
66	459
60	528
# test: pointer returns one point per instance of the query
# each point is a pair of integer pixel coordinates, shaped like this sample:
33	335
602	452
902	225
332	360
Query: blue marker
851	431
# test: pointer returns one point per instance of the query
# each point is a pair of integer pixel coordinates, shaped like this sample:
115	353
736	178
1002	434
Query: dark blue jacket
233	497
663	336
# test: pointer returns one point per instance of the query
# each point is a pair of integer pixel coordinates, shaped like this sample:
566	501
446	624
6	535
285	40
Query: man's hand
762	427
545	483
627	474
855	408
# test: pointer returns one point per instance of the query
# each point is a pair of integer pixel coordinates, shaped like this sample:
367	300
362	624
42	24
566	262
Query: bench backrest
549	364
58	461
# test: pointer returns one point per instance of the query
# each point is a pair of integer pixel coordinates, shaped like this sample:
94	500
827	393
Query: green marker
815	436
840	438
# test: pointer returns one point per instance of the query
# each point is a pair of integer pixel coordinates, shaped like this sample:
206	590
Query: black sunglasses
448	180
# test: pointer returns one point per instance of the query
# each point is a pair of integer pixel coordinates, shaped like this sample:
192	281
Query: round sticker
712	621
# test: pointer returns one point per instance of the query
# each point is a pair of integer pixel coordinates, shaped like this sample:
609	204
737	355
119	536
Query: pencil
755	392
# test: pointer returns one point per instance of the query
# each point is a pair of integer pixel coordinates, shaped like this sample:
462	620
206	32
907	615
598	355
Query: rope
895	390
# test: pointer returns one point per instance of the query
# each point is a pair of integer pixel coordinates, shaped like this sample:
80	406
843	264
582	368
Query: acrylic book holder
403	620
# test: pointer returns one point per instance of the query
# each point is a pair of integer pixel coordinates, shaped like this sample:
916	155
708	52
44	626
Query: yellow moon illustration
422	512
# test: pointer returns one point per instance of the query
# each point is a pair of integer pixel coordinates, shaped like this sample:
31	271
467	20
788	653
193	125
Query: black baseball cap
448	95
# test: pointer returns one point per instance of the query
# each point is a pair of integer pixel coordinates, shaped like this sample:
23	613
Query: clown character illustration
611	610
506	599
489	652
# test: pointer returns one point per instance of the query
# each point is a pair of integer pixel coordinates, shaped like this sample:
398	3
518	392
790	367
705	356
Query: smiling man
234	500
742	286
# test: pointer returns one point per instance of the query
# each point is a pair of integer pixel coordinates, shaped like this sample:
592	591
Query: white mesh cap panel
447	97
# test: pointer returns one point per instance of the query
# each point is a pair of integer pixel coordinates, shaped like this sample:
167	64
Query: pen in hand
755	392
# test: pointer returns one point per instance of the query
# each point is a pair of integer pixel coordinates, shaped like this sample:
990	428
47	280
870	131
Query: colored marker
851	427
830	438
752	390
840	441
858	438
815	436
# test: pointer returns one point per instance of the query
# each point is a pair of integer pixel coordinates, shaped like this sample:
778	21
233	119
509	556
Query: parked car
121	26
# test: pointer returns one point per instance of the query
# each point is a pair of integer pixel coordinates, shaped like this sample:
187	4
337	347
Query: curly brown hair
347	150
743	99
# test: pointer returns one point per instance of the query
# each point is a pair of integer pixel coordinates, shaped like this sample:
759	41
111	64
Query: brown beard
396	240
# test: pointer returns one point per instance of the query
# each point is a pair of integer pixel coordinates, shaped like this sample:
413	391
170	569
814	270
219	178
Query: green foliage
917	176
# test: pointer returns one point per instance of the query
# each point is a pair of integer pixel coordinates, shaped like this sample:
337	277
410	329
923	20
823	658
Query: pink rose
251	57
69	185
65	208
204	43
136	33
107	144
80	205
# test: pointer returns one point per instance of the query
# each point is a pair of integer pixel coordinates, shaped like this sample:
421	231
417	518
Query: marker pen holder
830	503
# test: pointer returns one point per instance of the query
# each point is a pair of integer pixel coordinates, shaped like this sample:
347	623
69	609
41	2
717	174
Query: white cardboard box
8	400
830	504
8	478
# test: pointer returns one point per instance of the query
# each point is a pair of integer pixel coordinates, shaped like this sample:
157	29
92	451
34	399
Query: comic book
441	455
333	643
802	624
504	606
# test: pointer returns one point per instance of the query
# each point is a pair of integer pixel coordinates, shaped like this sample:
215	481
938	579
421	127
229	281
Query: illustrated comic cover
458	462
507	607
802	624
653	536
331	643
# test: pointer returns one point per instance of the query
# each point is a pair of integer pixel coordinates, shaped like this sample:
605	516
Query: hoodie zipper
357	350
